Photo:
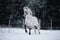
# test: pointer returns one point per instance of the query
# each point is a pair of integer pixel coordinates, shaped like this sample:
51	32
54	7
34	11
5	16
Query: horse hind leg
25	29
35	29
38	30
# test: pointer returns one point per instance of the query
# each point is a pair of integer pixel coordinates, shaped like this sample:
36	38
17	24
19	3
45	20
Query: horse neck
28	16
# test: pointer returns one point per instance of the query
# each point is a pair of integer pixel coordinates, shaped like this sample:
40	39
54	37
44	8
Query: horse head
27	11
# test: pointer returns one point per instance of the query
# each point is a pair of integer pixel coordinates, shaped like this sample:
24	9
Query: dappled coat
30	21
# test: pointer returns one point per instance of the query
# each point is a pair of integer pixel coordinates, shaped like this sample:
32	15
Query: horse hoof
39	32
29	33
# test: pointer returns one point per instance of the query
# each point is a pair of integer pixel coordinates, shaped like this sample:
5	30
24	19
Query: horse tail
39	22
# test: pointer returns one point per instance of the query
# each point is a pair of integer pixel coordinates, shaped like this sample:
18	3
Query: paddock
19	34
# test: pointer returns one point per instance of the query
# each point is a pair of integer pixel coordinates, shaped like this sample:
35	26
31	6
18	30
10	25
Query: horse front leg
25	29
35	31
29	31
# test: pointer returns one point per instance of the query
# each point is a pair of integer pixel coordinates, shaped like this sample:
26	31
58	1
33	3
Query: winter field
19	34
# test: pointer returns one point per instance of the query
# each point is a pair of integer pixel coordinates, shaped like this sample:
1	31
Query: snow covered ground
19	34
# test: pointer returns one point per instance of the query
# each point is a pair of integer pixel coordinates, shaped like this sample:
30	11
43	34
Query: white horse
31	22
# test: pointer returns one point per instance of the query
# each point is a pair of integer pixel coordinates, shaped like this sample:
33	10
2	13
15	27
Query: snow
19	34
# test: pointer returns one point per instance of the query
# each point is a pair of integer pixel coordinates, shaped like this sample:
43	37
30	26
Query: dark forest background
45	10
